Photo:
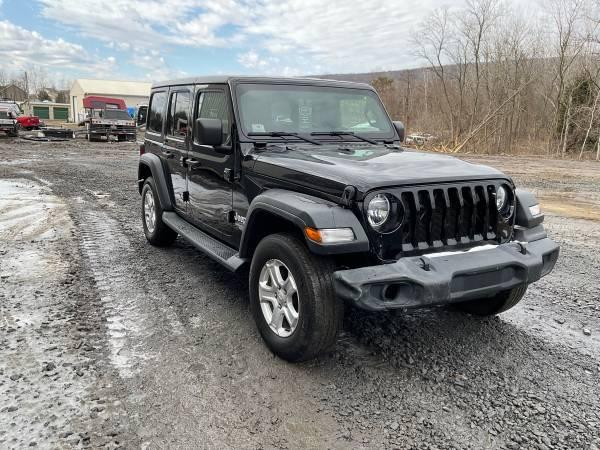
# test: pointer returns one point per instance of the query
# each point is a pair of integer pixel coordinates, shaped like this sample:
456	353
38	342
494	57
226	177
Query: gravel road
108	342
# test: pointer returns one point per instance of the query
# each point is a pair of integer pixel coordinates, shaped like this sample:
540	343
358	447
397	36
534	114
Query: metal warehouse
133	92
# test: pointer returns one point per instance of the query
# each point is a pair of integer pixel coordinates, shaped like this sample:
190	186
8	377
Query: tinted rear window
157	111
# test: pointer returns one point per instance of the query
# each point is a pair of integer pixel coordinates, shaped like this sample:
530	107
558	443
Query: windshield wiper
283	134
343	133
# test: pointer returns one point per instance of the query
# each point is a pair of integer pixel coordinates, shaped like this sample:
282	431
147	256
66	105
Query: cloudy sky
157	39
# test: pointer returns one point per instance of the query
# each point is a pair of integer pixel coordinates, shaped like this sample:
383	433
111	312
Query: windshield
311	109
119	114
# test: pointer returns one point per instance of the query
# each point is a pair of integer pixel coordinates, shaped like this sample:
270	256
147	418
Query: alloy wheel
149	211
278	294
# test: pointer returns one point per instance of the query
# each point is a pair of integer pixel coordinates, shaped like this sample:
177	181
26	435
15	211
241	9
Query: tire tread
328	313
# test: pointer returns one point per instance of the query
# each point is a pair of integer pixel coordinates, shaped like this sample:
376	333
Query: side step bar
218	251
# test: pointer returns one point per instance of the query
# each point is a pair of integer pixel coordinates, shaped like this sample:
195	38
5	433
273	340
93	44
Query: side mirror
209	132
399	126
141	115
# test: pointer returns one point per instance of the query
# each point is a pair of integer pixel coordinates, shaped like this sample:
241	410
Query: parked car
8	122
23	121
419	138
272	174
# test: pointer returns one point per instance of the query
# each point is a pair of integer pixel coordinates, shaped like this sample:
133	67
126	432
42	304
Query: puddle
29	211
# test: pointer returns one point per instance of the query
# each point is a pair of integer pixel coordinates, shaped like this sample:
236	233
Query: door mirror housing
399	126
142	113
209	132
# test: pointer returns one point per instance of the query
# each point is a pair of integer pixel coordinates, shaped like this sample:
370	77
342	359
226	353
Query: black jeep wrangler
306	181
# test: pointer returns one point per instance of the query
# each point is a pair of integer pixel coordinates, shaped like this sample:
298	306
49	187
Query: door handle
168	154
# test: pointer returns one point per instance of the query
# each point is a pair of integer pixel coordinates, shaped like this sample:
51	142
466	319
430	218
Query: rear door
177	132
209	185
157	117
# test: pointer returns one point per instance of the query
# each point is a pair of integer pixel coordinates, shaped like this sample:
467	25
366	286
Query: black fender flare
154	163
304	210
528	228
524	200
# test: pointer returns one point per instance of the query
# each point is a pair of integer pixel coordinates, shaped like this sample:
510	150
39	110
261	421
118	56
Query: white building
133	92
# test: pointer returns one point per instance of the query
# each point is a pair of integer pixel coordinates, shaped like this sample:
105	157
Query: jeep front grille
445	215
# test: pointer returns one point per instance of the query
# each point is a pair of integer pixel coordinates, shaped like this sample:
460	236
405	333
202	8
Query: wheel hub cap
278	295
149	211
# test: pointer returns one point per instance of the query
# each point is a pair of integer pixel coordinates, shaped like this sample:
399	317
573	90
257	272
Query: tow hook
522	247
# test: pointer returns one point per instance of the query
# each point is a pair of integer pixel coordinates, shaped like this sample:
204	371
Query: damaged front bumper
447	277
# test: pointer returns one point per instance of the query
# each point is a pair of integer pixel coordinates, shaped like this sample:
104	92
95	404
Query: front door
174	150
210	193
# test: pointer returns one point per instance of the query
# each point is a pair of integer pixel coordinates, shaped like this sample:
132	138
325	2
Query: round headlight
501	198
378	210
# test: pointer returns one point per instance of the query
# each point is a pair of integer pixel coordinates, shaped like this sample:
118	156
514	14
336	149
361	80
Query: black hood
331	167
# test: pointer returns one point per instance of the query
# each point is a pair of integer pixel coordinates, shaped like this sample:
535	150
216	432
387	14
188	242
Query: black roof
226	79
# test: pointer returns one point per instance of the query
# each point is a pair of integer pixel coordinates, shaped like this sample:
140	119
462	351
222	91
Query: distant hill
414	74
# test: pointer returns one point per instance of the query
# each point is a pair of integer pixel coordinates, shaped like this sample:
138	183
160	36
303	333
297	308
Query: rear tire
497	304
304	292
156	231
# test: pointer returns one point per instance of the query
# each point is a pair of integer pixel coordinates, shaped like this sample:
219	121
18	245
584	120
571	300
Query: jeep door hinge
229	175
231	216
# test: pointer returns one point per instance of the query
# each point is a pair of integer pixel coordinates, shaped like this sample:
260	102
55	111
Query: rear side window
214	105
156	111
178	123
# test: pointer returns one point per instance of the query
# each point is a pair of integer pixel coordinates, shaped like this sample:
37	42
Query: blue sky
158	39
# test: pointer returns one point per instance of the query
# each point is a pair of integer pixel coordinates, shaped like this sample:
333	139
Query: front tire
292	298
156	231
503	301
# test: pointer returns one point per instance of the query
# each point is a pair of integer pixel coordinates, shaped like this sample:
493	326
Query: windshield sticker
305	113
258	128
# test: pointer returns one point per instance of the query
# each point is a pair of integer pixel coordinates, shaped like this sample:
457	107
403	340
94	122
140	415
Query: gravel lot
108	342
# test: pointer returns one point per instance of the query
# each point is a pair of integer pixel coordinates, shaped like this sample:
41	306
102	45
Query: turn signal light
329	235
142	148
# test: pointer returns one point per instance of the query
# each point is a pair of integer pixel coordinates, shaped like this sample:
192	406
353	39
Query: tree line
498	81
36	83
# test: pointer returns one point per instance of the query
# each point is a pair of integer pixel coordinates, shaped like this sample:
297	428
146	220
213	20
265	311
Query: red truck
106	117
29	122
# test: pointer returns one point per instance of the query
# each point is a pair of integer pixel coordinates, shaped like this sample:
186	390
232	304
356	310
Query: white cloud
271	36
143	22
21	47
341	35
155	67
251	60
337	35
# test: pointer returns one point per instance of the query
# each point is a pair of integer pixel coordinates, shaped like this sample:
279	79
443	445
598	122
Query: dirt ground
108	342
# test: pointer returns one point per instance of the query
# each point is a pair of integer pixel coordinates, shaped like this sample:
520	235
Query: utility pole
26	84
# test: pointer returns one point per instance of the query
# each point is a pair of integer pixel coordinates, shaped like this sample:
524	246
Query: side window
156	111
214	105
177	125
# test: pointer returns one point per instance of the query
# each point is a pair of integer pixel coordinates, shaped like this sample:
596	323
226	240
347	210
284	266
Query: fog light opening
390	292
